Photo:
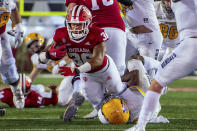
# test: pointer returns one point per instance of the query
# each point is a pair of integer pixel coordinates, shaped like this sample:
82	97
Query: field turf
179	107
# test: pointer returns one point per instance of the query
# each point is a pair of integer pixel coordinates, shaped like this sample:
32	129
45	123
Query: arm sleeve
150	63
101	36
56	37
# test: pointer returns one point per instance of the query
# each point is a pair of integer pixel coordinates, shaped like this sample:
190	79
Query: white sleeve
150	63
35	61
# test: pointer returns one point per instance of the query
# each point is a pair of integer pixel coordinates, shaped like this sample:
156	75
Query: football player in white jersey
126	106
35	44
8	69
143	29
184	55
168	27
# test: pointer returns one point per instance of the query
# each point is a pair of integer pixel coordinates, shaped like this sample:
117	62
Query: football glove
56	53
18	35
67	71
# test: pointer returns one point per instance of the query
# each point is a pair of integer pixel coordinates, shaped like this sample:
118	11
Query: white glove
18	35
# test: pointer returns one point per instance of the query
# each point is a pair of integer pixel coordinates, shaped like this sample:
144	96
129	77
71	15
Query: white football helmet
80	15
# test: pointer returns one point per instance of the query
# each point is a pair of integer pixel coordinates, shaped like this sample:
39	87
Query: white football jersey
134	100
168	27
182	10
141	13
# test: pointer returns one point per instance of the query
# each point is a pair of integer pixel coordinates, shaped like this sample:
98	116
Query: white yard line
88	129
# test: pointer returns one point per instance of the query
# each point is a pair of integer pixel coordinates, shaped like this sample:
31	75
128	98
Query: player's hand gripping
67	71
56	53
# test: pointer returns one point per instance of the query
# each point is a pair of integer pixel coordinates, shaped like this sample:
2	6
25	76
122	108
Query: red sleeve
56	37
67	2
33	99
7	97
48	101
101	36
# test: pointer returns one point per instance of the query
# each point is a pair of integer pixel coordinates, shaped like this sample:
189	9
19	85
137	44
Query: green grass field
179	107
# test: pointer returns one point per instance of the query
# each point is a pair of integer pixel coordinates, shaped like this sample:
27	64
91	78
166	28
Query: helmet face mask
35	43
78	33
166	5
78	24
34	47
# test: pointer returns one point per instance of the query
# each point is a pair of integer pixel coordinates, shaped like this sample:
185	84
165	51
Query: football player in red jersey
85	45
106	15
34	97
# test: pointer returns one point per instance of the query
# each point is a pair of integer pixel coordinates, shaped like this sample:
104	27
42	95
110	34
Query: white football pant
65	91
94	84
8	68
179	63
116	47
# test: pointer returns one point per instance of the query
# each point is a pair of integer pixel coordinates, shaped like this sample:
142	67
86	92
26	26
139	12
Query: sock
150	104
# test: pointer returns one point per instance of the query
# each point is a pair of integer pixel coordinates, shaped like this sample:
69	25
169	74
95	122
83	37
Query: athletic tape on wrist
85	67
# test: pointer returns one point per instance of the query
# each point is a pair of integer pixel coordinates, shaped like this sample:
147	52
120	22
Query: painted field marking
88	129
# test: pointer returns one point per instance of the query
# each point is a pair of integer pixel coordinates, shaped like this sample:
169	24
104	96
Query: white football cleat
91	115
136	128
18	96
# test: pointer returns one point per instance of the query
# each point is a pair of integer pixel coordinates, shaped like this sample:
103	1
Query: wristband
85	67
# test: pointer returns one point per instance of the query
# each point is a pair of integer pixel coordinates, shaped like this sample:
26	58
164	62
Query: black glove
126	2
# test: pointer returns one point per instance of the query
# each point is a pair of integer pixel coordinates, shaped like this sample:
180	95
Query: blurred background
40	16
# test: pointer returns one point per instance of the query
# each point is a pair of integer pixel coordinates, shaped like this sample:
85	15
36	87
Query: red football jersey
106	13
6	96
2	29
82	51
33	99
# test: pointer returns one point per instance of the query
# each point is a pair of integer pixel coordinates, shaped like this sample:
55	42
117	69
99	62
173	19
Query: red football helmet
78	22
